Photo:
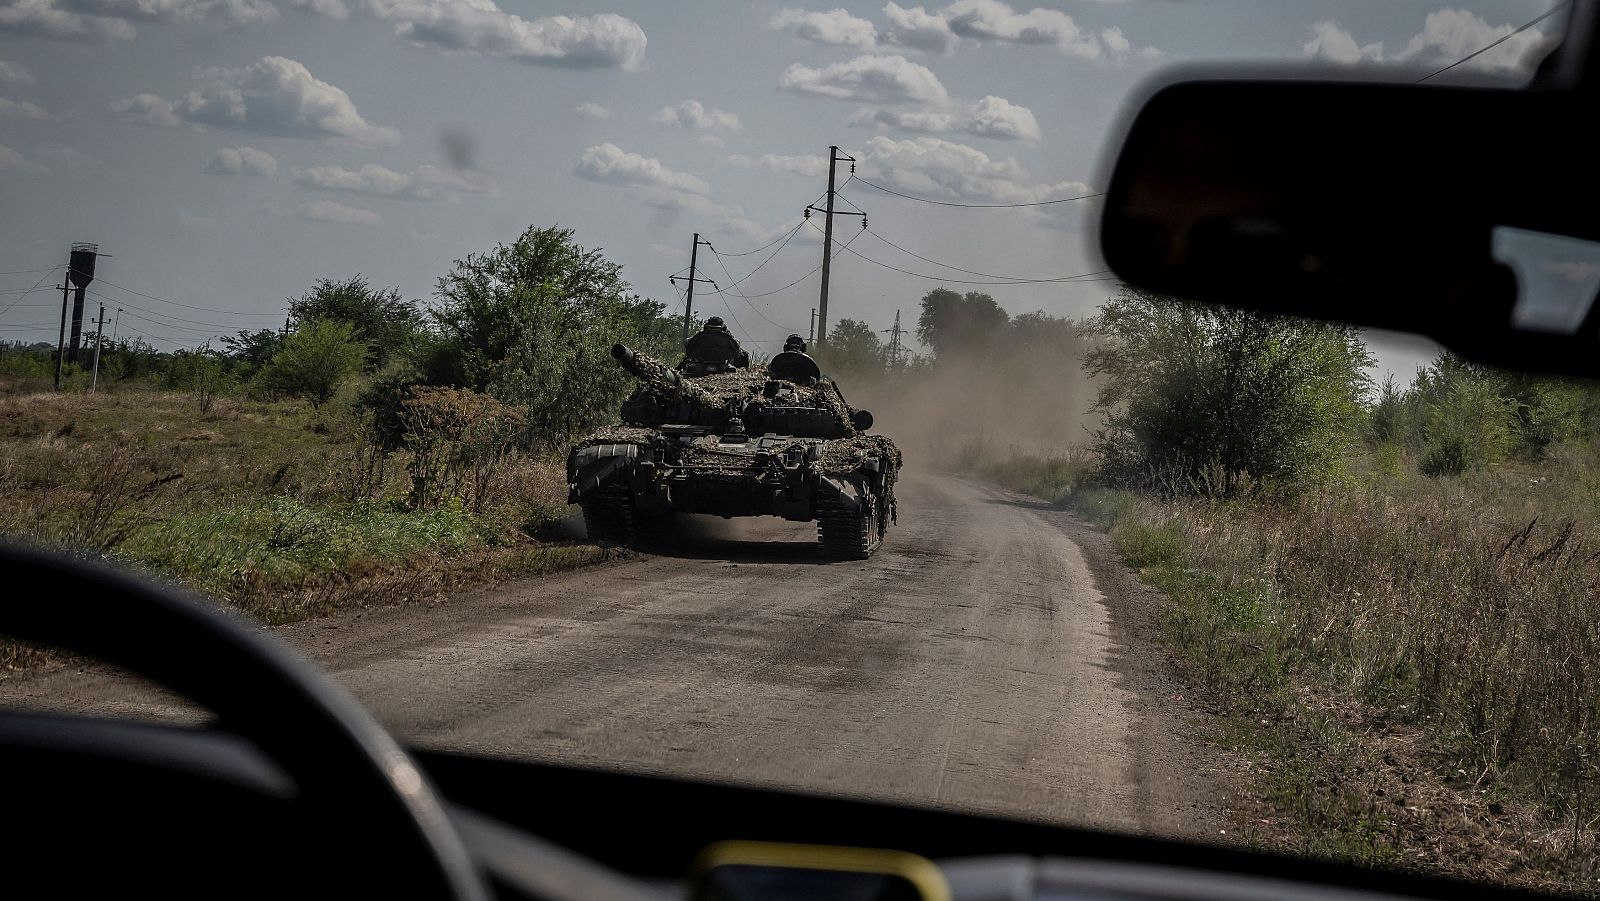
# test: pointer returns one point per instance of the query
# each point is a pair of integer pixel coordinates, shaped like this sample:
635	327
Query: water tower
80	271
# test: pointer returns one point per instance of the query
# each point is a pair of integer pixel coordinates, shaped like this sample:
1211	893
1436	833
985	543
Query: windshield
735	391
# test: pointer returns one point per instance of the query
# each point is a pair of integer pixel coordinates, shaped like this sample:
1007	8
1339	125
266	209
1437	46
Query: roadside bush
1205	399
314	361
459	440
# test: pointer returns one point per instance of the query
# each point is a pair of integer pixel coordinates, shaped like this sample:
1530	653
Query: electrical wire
734	286
740	294
126	304
979	206
42	279
177	304
1071	280
1015	278
31	271
1497	42
842	248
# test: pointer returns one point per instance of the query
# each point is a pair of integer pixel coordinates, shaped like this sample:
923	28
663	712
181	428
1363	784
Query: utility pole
99	335
811	336
61	340
115	321
688	299
834	156
894	341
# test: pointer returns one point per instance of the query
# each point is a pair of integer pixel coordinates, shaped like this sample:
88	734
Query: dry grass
1444	628
283	510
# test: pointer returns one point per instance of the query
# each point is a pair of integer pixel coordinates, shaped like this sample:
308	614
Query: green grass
277	507
282	542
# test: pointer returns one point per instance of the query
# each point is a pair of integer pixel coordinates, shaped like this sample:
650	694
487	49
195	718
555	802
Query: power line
842	248
979	206
42	279
1015	278
31	271
1071	280
1497	42
741	293
177	304
786	239
133	306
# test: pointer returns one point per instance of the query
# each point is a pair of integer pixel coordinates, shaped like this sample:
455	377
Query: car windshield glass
736	391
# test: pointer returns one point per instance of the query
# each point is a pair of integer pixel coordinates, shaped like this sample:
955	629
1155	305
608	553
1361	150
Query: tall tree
532	322
382	320
853	351
956	324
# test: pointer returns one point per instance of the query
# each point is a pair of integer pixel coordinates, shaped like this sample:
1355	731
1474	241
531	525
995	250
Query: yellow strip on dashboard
921	872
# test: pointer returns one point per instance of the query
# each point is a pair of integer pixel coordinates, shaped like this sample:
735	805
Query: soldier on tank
714	349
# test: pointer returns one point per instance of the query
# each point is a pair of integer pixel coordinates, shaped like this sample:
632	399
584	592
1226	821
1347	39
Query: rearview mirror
1466	214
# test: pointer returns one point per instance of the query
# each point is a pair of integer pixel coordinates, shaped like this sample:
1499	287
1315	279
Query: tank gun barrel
658	375
644	367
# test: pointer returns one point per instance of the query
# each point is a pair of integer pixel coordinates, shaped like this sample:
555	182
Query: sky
225	154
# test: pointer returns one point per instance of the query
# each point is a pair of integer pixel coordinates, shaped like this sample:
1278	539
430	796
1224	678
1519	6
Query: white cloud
12	161
808	166
997	117
593	110
273	96
328	211
605	41
906	120
693	114
710	217
610	164
110	19
423	183
333	9
935	167
242	161
991	117
369	179
871	79
836	27
21	109
991	20
1334	44
147	109
917	28
1447	35
227	12
48	19
1450	34
15	72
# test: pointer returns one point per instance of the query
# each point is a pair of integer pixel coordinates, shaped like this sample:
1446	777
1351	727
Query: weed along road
987	658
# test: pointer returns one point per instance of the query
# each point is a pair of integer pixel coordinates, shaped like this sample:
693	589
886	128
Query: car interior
1248	187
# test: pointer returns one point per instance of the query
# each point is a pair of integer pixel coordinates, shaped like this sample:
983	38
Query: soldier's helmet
714	324
795	343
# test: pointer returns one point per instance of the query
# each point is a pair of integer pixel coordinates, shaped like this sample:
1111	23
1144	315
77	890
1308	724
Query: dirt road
976	662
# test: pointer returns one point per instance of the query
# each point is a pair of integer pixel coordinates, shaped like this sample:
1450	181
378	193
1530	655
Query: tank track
608	516
849	533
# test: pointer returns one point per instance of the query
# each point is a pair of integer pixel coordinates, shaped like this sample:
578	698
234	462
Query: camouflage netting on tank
620	434
841	456
734	390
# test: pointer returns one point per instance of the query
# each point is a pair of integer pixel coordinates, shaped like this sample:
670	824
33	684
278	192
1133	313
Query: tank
720	436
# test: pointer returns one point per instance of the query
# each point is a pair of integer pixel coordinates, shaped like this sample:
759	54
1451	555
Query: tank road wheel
850	533
608	515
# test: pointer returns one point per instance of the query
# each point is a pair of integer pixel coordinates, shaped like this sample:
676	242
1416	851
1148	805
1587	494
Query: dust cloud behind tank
719	435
